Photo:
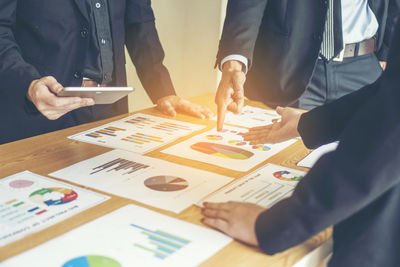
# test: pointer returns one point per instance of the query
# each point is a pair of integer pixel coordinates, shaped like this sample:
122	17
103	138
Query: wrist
232	66
28	93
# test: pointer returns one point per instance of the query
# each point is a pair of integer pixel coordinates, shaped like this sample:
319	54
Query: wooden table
53	151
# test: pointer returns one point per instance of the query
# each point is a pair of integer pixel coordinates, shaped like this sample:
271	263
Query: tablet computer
100	95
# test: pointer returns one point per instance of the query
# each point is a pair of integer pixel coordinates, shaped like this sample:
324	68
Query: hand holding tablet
100	95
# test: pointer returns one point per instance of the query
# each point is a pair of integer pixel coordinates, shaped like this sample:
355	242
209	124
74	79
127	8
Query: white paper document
264	187
139	133
314	156
30	202
251	117
130	236
148	180
226	149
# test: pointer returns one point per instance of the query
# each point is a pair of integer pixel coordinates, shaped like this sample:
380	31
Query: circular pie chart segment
166	183
92	261
287	176
53	196
237	142
20	183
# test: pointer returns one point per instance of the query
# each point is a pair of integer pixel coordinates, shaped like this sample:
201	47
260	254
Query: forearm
326	123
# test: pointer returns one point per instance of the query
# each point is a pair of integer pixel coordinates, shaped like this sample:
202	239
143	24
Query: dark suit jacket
282	39
46	37
355	188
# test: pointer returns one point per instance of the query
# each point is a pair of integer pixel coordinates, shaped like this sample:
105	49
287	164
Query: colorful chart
53	196
237	142
20	183
287	176
120	164
109	131
140	138
165	244
222	151
140	121
92	261
214	137
261	147
166	183
171	127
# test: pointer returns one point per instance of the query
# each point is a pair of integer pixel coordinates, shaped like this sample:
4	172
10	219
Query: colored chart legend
287	176
119	165
109	131
161	244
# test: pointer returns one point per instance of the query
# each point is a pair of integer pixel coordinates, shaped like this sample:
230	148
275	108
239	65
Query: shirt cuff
239	58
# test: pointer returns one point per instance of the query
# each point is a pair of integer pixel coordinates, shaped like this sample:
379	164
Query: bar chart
161	244
119	165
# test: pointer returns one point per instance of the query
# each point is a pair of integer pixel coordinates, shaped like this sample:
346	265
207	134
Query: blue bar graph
161	244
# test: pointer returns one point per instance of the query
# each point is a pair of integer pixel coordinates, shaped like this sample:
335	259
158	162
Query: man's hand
172	104
230	93
277	132
237	220
43	94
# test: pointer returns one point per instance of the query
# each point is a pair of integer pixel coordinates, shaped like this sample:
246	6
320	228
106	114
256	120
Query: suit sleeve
391	21
363	168
242	23
15	73
326	123
145	49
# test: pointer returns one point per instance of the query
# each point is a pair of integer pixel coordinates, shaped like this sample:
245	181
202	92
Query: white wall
189	31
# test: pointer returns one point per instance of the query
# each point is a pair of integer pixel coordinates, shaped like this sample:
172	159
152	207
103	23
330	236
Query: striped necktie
332	40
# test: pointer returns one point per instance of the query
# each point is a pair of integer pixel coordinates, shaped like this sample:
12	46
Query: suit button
84	33
77	75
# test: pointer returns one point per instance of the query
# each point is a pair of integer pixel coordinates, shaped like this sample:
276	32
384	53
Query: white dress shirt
358	23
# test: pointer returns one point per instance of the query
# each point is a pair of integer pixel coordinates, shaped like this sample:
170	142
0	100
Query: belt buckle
339	58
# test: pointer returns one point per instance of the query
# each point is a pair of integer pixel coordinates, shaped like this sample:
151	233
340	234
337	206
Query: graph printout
264	187
148	180
226	149
129	236
138	133
30	202
251	117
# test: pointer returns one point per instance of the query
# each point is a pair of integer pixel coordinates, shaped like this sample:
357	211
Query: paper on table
30	202
251	117
226	149
263	187
314	156
129	236
138	133
148	180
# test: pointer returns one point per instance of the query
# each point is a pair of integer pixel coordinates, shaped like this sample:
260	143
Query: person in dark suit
50	44
296	52
355	188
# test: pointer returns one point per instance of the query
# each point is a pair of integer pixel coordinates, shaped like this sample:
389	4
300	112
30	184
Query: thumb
51	83
279	110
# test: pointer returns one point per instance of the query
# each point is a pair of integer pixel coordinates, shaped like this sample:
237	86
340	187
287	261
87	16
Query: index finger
221	116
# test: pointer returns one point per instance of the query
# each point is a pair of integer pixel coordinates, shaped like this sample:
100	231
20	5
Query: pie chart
166	183
21	183
237	142
287	176
53	196
92	261
222	151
